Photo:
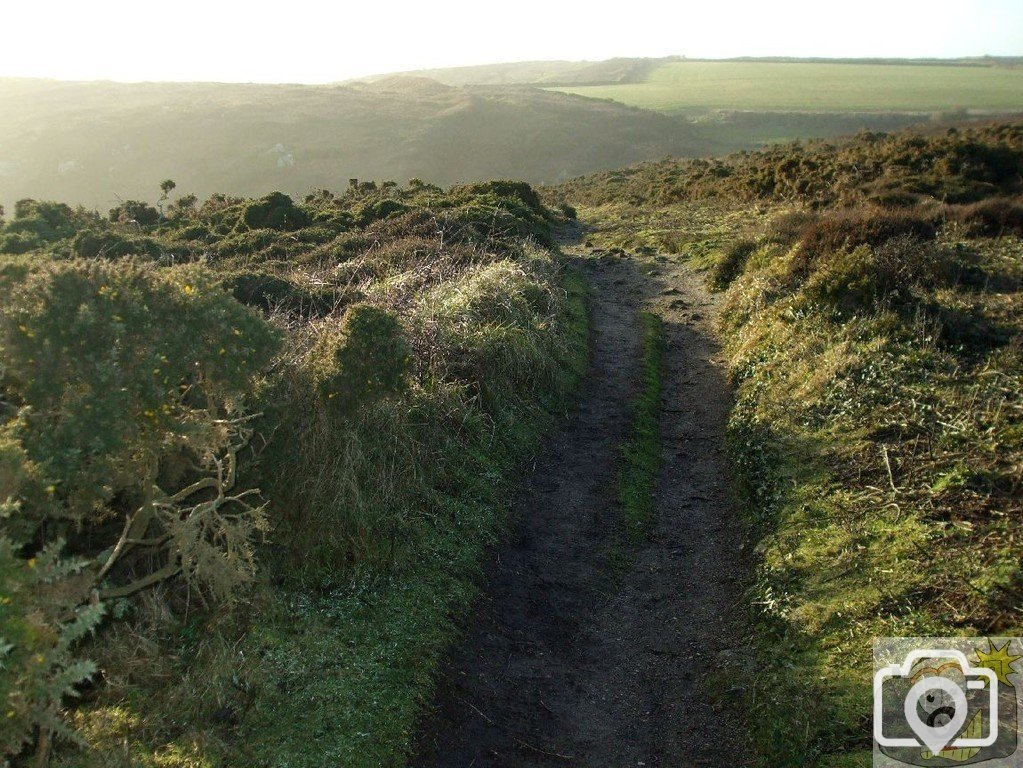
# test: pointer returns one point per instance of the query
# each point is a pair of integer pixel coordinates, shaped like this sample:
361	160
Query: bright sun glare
314	42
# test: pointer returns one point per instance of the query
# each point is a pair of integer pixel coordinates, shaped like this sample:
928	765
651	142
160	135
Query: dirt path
570	658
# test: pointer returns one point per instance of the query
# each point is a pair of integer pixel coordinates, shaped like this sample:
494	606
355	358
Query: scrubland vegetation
252	451
873	321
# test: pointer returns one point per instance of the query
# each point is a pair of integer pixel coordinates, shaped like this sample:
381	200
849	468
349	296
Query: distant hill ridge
621	70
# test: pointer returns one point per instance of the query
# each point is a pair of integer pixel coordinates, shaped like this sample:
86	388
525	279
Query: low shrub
995	216
19	242
365	360
135	212
788	227
275	211
381	209
851	228
90	243
861	277
272	293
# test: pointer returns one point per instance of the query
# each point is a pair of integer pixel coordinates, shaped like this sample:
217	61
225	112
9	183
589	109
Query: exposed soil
585	649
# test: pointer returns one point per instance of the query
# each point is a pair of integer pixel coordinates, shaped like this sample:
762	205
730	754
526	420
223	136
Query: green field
694	86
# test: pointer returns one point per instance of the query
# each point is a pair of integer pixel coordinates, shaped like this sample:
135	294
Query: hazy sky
314	42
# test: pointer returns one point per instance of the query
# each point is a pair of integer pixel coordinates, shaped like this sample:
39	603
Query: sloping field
693	86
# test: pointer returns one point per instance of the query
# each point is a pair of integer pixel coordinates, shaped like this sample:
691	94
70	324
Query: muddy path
584	649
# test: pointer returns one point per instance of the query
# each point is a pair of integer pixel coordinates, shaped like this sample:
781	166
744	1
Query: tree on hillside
166	187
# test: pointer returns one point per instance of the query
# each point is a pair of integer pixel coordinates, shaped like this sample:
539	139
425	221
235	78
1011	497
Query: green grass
875	449
695	232
641	454
699	86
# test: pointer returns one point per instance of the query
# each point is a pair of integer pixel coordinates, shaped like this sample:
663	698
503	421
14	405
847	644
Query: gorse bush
135	212
366	359
37	223
374	362
91	244
275	211
115	358
123	396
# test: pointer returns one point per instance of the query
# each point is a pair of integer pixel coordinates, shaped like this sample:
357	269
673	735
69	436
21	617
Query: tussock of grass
641	454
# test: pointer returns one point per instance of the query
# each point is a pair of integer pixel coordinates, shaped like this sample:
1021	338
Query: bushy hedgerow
126	412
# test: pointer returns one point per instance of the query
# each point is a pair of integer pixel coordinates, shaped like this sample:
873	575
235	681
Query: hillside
112	140
97	143
750	102
622	70
693	87
306	422
955	165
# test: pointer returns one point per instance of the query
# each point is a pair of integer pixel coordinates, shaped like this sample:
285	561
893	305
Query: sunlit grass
679	87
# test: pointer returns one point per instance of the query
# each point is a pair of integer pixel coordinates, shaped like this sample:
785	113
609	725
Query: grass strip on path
641	454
